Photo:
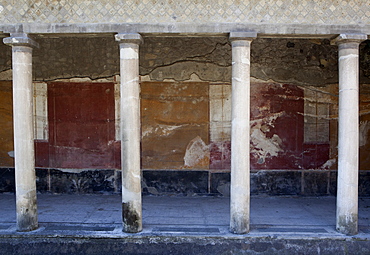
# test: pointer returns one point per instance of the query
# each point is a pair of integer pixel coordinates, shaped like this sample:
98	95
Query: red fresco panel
280	108
41	153
81	125
220	155
277	111
315	155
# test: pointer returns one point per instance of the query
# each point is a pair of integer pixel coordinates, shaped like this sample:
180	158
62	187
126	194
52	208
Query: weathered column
240	132
348	129
130	131
25	178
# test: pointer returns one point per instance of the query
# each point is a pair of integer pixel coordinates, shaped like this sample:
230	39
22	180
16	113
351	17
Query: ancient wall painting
81	125
282	133
290	126
175	125
187	125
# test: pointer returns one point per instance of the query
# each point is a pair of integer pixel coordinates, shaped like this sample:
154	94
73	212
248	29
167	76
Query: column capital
129	38
246	35
20	39
349	38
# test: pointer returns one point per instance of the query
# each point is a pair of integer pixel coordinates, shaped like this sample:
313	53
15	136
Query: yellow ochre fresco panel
175	125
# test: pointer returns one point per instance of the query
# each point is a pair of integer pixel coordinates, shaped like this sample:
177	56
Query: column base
132	220
27	223
348	225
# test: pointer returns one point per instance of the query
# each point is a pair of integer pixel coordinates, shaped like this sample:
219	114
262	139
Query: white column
25	178
348	129
240	132
130	131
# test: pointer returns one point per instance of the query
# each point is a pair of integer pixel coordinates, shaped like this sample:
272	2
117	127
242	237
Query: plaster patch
263	146
328	164
197	154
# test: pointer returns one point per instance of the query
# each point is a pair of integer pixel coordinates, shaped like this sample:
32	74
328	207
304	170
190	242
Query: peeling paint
197	154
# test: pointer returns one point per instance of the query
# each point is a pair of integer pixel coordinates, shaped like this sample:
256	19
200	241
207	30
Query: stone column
25	178
130	131
240	132
348	129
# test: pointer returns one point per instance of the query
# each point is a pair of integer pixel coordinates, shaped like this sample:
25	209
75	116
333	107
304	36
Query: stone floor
266	212
279	220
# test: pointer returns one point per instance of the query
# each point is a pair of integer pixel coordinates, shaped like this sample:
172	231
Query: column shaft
240	133
25	178
348	135
130	132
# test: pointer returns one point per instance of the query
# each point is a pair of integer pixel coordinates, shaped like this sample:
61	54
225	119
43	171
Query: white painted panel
40	111
220	112
117	111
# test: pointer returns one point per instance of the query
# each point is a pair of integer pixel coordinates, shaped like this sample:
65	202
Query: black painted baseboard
187	182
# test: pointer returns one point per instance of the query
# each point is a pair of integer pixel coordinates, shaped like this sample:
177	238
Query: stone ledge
187	29
134	244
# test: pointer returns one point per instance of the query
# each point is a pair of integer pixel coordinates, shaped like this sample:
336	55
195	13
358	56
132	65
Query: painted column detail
130	131
348	133
240	132
24	152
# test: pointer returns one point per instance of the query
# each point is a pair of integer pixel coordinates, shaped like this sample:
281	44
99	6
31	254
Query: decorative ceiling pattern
338	12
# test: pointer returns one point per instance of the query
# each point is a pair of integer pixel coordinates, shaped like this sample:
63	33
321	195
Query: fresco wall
186	114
